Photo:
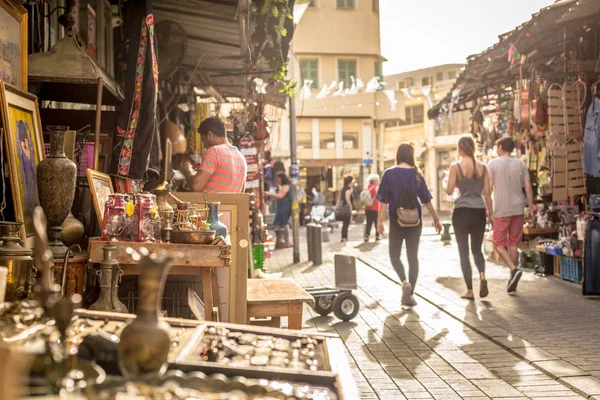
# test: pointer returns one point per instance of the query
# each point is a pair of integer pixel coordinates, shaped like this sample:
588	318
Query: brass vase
145	343
108	276
56	179
17	259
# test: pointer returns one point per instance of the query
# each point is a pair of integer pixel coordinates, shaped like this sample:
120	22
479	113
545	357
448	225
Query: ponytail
467	145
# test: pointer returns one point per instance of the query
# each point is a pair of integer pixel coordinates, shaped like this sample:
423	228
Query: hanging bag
408	214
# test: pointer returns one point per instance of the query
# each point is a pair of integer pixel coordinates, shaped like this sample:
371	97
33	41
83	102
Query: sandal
483	289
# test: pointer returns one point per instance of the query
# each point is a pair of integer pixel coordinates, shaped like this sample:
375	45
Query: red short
508	231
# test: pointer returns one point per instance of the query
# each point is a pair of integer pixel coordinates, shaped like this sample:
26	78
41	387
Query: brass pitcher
145	342
108	276
17	259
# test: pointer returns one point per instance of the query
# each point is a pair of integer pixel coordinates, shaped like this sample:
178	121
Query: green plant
275	14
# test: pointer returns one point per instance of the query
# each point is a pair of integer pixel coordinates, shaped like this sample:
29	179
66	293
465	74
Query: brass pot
72	231
17	259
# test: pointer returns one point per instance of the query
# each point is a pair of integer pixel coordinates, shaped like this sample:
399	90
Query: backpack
365	198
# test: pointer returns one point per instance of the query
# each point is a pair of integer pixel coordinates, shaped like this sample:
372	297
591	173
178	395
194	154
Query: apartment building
336	132
434	140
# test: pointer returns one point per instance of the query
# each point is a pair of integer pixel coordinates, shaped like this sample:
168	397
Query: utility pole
294	169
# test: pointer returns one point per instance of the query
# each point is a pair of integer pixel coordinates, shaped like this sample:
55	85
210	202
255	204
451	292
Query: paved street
539	343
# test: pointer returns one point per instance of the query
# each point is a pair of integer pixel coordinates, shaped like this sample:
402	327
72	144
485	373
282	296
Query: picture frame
100	187
13	42
24	145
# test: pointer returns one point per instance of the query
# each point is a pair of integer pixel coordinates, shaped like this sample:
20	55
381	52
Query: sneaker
366	239
515	275
412	300
483	289
407	294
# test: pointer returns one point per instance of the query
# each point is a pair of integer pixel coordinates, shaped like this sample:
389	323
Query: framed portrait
24	150
13	43
100	186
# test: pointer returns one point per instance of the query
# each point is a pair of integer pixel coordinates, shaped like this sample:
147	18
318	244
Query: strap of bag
407	192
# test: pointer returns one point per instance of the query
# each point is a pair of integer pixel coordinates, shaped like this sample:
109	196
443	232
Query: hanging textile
135	154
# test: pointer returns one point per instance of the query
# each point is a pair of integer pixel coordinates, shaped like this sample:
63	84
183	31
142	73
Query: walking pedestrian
508	177
344	206
472	209
372	209
401	189
284	205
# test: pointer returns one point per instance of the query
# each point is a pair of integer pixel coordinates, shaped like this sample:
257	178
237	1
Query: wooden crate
556	265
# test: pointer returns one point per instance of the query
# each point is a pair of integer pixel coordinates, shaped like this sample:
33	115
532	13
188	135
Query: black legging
371	221
412	236
346	224
469	221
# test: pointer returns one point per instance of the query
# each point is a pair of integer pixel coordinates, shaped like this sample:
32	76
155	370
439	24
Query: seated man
223	167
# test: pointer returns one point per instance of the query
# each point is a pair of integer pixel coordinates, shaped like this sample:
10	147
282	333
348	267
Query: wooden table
196	259
277	298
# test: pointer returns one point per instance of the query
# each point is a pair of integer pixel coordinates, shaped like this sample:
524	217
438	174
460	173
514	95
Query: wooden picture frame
24	144
233	281
13	42
100	187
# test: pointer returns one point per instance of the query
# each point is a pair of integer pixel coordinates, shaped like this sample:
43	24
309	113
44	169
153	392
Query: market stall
538	85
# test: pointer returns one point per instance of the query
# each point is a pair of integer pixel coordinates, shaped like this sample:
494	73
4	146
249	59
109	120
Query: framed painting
100	186
24	151
13	43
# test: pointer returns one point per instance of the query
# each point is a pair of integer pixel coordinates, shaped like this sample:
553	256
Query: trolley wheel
323	305
345	306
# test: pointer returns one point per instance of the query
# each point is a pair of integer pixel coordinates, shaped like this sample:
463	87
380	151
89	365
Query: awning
218	47
540	40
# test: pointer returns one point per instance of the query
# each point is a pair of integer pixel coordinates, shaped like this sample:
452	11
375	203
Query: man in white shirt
508	177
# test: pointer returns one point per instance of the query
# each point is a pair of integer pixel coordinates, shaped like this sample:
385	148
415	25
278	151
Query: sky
423	33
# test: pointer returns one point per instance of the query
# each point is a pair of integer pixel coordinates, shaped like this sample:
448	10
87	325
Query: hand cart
339	298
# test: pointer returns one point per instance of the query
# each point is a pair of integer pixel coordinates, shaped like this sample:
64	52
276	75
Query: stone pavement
449	350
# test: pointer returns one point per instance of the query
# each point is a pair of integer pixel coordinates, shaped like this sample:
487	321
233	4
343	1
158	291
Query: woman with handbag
343	210
470	216
284	205
401	189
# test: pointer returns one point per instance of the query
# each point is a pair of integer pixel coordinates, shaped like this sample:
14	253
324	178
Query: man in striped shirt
223	167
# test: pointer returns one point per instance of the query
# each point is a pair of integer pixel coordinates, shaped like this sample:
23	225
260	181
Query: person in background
470	216
223	167
284	205
508	176
399	185
347	197
318	196
303	201
372	210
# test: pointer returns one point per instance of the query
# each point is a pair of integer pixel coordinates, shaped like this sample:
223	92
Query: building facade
337	112
434	140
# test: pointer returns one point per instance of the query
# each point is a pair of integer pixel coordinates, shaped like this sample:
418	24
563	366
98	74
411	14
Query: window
346	69
327	140
439	76
451	74
409	82
350	140
304	140
379	70
414	115
426	81
376	6
309	68
345	4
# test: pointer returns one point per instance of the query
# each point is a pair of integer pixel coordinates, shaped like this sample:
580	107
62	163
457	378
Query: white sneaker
407	290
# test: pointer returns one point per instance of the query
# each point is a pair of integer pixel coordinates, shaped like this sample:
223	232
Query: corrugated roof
217	51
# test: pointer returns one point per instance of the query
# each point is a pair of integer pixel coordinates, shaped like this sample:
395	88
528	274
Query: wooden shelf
539	231
194	255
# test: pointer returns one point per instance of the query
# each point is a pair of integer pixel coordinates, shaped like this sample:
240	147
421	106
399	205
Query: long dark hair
285	180
467	145
406	154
